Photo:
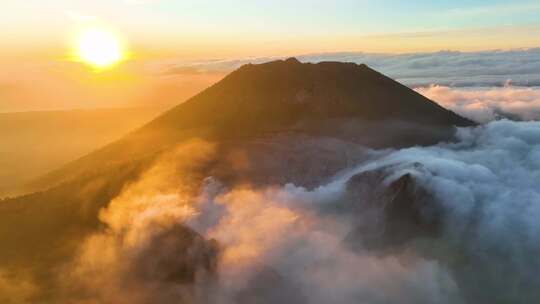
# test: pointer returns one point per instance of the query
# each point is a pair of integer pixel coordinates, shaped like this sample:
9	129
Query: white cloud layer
449	68
288	243
487	104
487	183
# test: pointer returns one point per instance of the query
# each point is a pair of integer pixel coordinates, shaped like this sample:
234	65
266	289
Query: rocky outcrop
391	211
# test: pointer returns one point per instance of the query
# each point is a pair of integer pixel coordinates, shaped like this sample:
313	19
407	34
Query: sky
202	28
39	72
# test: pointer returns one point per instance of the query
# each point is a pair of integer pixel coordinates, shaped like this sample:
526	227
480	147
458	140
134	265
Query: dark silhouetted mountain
342	100
272	123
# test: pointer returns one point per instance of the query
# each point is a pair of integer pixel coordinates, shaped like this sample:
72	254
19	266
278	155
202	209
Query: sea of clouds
486	104
449	68
286	243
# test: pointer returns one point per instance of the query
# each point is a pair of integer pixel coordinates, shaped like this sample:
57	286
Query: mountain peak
286	91
292	60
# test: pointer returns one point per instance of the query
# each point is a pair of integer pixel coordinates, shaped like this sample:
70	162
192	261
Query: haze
38	73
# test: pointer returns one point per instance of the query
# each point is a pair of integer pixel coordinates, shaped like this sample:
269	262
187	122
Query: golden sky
41	70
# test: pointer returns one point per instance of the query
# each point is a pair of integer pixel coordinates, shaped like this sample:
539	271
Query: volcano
271	124
339	100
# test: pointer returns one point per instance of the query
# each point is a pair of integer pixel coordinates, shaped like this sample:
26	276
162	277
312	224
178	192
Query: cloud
486	183
449	68
145	254
177	235
165	243
286	230
486	104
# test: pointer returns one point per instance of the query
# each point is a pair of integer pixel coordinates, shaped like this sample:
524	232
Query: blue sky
203	28
358	16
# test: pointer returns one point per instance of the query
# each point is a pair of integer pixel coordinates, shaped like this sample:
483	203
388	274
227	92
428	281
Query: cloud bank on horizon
487	104
450	68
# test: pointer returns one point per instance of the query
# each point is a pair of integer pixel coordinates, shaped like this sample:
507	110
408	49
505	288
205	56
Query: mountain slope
269	124
281	96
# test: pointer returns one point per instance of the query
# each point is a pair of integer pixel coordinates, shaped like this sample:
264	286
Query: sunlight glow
98	47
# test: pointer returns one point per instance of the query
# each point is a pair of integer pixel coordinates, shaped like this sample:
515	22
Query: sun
98	47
